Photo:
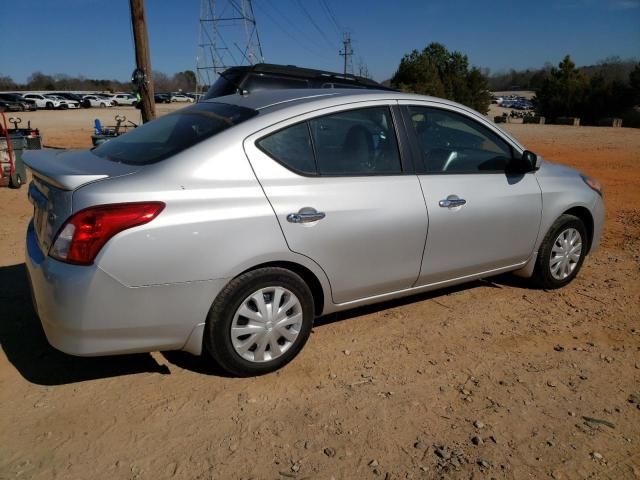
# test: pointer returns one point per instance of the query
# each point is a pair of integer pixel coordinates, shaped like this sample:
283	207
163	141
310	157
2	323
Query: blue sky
93	38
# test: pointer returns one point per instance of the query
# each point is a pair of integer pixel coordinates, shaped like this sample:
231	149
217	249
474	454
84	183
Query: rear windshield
173	133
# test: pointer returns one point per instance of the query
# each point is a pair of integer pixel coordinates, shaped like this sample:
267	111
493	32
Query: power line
289	34
332	16
313	22
294	26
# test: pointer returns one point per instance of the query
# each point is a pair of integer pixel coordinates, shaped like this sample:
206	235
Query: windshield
173	133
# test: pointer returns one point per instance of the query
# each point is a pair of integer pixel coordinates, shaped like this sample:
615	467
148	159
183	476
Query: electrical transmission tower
228	37
347	53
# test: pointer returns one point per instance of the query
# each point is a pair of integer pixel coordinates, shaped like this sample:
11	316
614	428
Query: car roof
274	100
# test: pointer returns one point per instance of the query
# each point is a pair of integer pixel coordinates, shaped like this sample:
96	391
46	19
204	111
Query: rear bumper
86	312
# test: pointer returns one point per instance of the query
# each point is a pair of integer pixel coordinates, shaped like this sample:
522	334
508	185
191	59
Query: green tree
438	72
634	85
563	92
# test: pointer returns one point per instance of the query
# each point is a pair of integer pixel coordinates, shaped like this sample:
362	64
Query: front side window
173	133
355	142
454	143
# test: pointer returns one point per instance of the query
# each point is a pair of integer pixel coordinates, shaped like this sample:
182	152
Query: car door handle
305	215
450	202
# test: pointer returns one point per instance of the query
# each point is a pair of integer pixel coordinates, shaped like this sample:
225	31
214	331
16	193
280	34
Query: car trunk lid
56	175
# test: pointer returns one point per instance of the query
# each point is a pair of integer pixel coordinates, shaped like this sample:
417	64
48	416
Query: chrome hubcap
266	324
565	253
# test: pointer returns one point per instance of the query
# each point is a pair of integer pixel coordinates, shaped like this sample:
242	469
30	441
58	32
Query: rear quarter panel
217	221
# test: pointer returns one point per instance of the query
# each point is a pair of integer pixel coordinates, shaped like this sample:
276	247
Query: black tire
542	275
49	106
16	181
103	105
217	337
114	103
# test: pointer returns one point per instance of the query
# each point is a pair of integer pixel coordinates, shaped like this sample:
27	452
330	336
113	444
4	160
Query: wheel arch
307	276
585	216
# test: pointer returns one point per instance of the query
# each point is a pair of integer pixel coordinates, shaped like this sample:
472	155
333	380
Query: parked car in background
43	101
123	99
10	106
27	105
64	102
266	76
69	96
96	101
161	98
180	97
304	203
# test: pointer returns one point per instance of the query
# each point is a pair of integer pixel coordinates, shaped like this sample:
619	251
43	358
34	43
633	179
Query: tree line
608	89
436	71
185	81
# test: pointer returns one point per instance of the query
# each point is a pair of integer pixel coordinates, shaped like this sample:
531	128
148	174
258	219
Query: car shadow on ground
399	302
205	366
25	345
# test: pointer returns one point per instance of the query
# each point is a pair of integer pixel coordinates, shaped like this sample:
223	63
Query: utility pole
143	75
346	51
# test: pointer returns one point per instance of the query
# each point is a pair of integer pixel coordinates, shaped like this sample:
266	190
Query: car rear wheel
114	103
103	105
49	106
259	322
561	253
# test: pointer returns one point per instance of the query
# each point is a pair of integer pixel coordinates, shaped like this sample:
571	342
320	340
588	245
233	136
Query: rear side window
454	143
173	133
292	147
355	142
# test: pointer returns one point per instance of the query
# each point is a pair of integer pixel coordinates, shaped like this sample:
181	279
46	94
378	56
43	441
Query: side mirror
531	159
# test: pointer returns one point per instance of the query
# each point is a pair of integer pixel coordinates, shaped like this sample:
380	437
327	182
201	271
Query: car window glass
454	143
269	82
356	142
291	147
173	133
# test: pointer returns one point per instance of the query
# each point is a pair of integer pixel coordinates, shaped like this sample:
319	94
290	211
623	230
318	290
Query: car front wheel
561	253
259	322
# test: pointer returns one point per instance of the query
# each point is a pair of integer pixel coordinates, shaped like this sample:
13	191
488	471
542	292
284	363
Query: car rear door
345	196
481	217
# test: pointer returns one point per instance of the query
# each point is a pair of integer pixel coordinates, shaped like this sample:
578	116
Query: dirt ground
487	380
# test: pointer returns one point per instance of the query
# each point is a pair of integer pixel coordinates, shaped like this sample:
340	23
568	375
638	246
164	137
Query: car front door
483	216
345	198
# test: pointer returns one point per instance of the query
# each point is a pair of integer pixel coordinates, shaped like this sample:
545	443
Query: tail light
85	233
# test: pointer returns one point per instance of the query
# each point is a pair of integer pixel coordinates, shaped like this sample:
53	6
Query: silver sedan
228	226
